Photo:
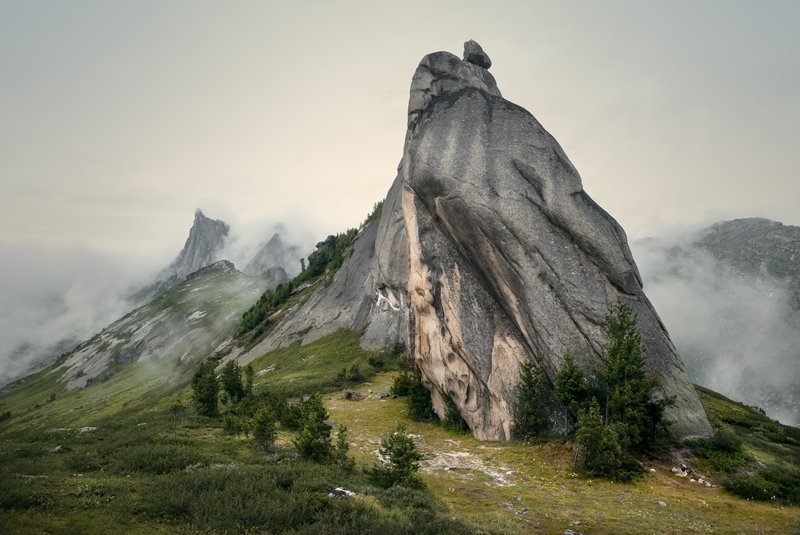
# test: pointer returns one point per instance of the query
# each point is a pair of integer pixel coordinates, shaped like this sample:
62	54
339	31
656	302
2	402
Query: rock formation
487	252
203	246
187	321
206	239
274	253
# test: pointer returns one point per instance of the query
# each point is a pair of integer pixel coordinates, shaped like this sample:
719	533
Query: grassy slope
107	480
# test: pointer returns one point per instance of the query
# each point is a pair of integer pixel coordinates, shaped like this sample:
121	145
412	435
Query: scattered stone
57	449
662	503
473	53
380	395
571	532
87	429
351	395
708	484
339	492
265	371
701	481
522	511
652	470
692	480
675	470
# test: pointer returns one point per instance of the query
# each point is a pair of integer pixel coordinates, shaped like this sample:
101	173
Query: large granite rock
487	252
509	256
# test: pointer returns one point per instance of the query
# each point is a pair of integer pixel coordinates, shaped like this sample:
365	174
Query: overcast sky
118	119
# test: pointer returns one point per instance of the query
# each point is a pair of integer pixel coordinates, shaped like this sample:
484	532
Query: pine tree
232	381
249	374
534	401
400	460
572	389
205	389
623	384
341	451
420	406
263	428
314	439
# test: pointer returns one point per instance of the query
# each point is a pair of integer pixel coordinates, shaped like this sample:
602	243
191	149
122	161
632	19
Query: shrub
420	406
771	483
402	384
723	451
452	416
399	460
751	487
355	373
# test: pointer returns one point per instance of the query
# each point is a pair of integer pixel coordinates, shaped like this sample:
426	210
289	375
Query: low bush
770	484
723	451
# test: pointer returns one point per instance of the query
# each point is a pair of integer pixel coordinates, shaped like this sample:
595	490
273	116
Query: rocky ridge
488	251
185	322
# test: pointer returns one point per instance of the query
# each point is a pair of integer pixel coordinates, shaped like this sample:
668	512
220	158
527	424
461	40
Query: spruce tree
205	389
624	386
314	439
400	460
232	381
534	401
263	428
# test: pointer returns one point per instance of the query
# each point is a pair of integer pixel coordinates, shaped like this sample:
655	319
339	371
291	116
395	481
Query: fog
738	334
55	296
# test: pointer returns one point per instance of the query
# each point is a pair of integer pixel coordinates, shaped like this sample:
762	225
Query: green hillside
149	469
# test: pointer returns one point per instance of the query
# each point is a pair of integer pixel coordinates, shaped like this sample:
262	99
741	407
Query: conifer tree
205	389
314	439
400	460
534	401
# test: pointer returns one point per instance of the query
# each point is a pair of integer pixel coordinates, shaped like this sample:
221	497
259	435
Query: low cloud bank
737	333
56	296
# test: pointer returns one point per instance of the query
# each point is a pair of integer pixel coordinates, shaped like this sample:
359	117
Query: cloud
737	333
57	295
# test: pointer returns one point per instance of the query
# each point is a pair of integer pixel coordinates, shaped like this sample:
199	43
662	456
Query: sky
119	119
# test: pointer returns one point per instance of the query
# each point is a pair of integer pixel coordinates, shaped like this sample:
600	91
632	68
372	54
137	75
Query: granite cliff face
487	251
206	239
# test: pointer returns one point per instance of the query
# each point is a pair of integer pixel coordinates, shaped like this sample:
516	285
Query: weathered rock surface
202	248
206	239
509	256
473	53
487	251
351	301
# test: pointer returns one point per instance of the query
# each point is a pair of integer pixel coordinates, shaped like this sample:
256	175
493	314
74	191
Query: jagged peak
442	73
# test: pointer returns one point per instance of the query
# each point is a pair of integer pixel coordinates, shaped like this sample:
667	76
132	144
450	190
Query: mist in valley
56	296
737	333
